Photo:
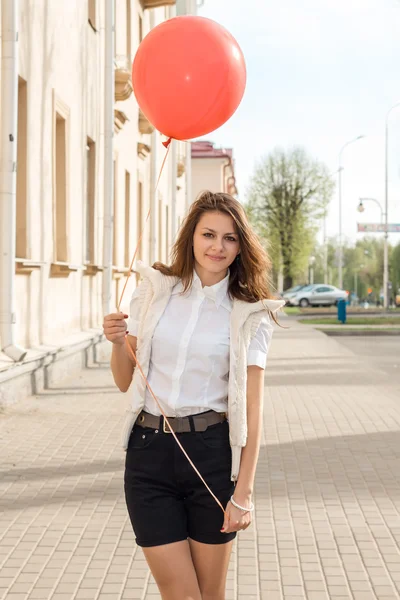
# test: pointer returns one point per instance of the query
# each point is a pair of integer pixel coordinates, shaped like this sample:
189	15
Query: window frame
92	14
61	109
22	234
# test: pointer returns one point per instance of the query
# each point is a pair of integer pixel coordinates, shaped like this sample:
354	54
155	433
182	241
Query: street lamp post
356	280
361	209
325	241
340	208
325	252
386	249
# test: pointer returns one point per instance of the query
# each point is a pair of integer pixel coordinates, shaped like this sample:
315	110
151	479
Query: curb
360	332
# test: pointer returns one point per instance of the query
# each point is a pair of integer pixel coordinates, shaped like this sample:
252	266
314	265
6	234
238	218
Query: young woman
200	330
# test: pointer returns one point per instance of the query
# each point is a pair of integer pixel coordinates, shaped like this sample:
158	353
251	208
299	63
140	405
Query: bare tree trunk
287	282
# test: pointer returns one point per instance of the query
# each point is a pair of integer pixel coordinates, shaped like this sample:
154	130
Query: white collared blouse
189	364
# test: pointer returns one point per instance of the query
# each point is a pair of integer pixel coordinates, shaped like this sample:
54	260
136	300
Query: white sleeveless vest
245	318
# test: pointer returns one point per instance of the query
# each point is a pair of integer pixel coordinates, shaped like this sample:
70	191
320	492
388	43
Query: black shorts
167	501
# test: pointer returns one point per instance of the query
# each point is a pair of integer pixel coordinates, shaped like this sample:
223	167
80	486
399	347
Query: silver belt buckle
165	427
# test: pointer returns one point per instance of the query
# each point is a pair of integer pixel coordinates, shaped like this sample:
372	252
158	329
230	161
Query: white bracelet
250	509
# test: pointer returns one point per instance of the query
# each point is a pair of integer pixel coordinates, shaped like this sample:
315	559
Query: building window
160	227
167	234
115	215
90	201
61	189
92	14
127	244
128	31
60	179
22	249
140	25
116	27
139	217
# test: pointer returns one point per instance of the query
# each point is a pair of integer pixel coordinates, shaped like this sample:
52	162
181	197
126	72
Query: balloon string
130	349
167	145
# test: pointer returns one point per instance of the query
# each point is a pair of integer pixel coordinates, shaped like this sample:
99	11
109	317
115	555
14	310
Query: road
382	351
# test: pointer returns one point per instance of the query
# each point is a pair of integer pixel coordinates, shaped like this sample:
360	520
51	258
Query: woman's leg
211	563
172	568
210	547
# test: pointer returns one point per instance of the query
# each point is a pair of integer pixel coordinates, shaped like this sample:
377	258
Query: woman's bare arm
122	362
248	464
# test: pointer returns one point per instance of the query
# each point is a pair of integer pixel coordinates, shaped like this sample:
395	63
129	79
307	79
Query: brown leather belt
181	424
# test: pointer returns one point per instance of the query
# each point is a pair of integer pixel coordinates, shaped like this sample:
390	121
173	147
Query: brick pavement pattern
327	492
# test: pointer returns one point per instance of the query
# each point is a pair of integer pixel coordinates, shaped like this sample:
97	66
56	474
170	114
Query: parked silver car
292	292
318	295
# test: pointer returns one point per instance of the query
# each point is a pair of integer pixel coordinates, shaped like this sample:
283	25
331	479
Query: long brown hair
249	278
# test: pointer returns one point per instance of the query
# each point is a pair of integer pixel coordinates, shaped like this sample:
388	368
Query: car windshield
296	288
307	288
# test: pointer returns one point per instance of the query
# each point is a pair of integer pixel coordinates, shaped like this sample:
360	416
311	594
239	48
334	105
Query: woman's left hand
235	519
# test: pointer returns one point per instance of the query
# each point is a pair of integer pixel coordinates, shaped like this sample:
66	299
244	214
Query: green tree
288	195
319	254
269	238
394	270
370	254
363	266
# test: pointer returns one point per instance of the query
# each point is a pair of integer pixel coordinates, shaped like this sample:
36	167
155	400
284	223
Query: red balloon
189	76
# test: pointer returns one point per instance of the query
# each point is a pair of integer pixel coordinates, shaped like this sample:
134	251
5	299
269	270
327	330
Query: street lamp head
361	207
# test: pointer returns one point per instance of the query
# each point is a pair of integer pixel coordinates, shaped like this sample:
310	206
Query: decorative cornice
120	119
63	269
143	150
180	168
120	272
123	84
157	3
25	266
91	269
144	124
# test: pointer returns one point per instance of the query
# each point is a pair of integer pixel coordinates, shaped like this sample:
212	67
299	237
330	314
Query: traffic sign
378	227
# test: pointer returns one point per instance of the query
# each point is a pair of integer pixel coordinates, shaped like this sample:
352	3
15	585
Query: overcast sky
320	73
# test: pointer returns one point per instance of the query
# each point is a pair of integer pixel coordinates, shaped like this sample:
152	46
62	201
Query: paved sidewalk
327	521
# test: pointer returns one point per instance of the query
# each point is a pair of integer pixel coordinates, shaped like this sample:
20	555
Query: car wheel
304	303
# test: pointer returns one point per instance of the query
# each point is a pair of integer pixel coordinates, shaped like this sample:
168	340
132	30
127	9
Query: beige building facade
212	169
84	179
